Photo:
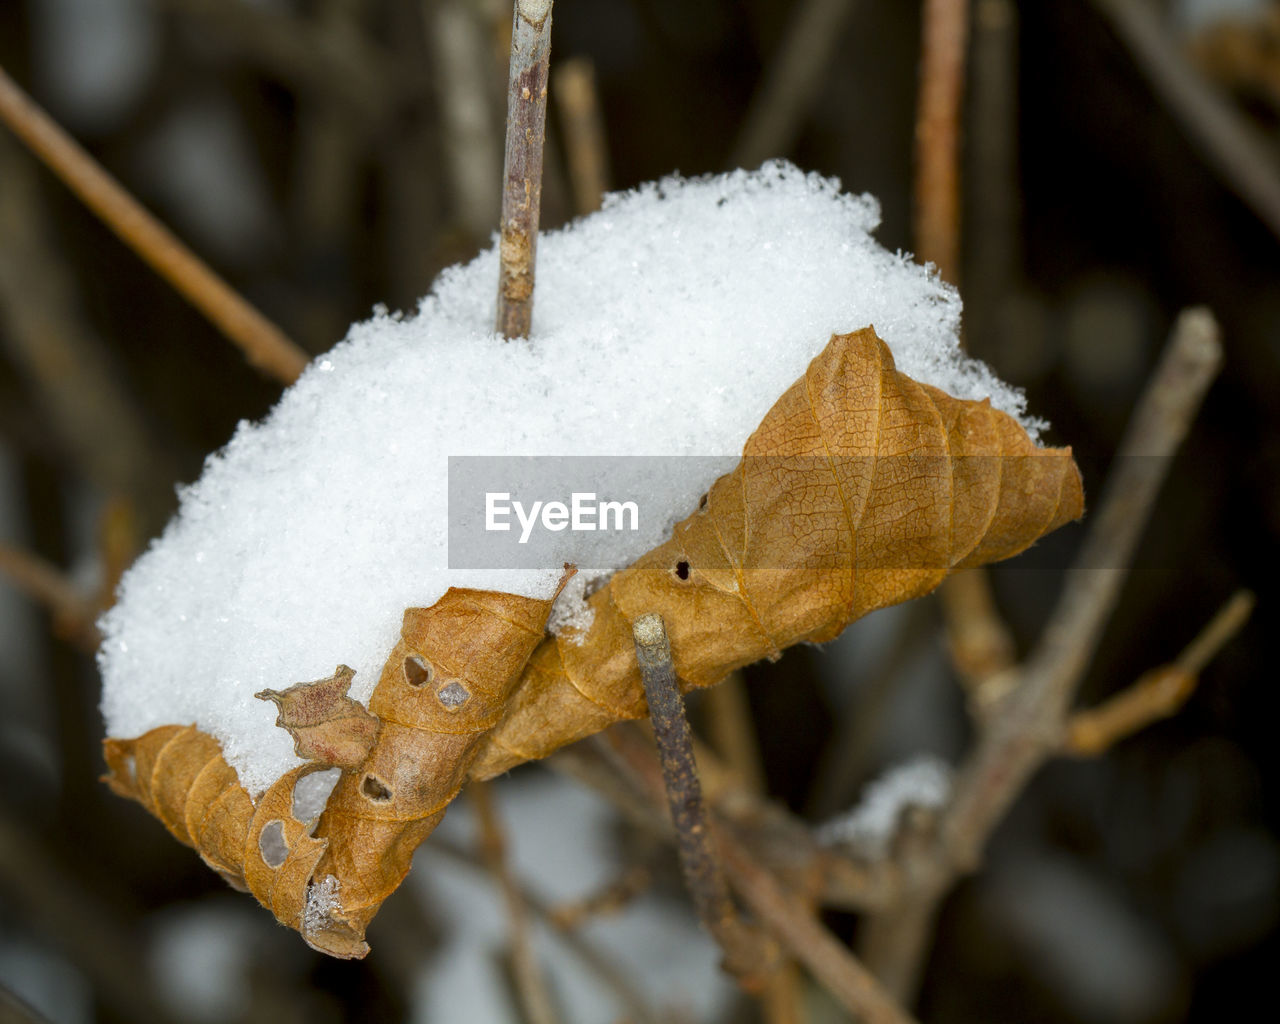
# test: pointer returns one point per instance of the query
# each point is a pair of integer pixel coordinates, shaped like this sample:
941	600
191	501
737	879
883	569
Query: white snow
322	900
869	827
665	324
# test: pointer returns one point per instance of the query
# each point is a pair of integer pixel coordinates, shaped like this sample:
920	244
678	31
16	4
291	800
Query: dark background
1144	886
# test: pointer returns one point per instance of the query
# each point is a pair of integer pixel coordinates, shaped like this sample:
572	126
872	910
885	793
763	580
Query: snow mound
666	324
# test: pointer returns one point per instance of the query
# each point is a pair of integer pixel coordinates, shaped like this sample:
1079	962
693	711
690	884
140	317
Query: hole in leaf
416	670
454	695
271	844
131	767
702	502
311	793
375	789
682	570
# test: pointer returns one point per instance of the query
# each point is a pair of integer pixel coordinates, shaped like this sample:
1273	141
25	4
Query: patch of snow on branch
869	828
666	324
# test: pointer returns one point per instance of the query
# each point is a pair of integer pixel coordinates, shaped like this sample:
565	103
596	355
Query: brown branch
848	752
466	69
980	643
262	342
73	613
591	956
1218	632
992	257
1027	727
620	766
781	908
608	900
326	185
780	106
522	169
937	183
808	940
1158	693
583	127
348	70
1223	136
733	733
531	984
978	639
746	954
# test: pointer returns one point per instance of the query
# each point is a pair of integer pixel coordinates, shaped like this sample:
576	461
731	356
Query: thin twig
978	639
73	613
1158	693
583	128
522	169
608	900
980	642
746	954
1027	727
847	753
326	184
620	765
349	70
591	955
944	40
1218	632
808	940
469	115
991	192
1225	138
733	733
780	908
531	984
262	342
418	241
780	106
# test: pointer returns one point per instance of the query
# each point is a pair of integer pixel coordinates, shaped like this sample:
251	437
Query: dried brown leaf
327	726
860	489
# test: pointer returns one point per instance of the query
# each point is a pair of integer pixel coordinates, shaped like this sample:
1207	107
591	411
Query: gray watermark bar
535	512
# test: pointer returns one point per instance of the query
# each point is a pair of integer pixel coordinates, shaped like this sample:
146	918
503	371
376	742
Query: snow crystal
322	901
869	828
666	324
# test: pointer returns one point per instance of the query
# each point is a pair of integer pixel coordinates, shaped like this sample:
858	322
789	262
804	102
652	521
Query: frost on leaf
327	726
322	901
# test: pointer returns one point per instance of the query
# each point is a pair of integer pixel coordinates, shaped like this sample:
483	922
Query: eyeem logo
583	514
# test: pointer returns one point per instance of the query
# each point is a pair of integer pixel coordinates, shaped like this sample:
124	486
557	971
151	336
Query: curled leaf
861	488
327	726
445	686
